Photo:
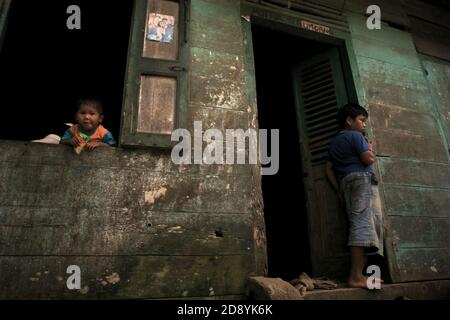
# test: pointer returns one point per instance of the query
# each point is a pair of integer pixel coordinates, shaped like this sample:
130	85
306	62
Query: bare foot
357	283
362	283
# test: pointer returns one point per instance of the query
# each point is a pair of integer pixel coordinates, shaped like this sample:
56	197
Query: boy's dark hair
351	110
94	102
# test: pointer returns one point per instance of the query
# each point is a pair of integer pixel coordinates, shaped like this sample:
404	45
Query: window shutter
321	90
4	12
156	94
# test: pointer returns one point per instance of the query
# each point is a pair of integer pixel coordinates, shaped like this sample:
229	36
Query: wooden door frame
283	20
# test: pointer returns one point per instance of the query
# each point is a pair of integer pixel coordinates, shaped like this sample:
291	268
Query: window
156	94
46	68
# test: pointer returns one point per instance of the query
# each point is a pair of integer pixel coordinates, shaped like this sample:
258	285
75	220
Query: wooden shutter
155	98
321	91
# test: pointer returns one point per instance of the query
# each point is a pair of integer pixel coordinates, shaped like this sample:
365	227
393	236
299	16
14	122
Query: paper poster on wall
160	27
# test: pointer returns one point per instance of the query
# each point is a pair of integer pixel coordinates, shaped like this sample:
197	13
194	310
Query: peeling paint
176	229
152	196
113	278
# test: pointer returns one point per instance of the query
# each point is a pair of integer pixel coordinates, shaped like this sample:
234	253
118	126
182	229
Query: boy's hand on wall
74	141
91	145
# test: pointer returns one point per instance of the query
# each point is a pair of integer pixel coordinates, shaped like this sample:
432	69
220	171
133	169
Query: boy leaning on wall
349	170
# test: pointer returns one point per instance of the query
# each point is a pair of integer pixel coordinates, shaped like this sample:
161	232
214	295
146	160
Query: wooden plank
438	75
389	84
431	39
416	202
391	11
426	11
387	44
123	232
422	290
210	20
417	173
407	145
104	277
148	160
416	134
394	118
417	232
423	264
41	185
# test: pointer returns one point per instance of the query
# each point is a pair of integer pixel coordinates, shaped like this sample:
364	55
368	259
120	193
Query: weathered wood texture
430	28
138	225
438	76
132	276
412	147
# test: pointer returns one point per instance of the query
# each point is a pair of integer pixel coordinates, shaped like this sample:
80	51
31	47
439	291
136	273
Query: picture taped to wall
160	27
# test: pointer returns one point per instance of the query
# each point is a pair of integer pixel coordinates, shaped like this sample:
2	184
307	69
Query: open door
319	89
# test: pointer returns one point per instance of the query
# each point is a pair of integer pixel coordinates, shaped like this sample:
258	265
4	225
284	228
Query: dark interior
284	199
46	68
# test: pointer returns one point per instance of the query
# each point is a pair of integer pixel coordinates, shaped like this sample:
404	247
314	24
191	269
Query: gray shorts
364	212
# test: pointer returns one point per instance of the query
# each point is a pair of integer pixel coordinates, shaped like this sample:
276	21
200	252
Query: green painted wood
387	44
392	11
137	66
423	264
438	77
415	173
114	277
416	133
393	85
418	232
416	201
210	20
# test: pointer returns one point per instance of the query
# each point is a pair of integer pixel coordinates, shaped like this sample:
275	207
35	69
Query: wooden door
320	90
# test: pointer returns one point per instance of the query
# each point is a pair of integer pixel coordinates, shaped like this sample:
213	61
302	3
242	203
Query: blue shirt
344	153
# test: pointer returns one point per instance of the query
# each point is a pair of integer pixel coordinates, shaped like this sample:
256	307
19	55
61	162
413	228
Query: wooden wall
136	224
407	118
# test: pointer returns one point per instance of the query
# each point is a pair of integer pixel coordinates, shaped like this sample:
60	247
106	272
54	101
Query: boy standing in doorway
350	156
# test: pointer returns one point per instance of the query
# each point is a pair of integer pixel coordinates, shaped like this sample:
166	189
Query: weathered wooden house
140	226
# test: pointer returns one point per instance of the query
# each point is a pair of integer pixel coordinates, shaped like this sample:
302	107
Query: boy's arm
69	139
331	176
368	157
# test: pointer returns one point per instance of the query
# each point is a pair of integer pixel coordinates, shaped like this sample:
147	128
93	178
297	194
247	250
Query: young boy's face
358	124
88	117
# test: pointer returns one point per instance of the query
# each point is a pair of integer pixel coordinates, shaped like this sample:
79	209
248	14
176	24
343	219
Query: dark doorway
275	54
46	68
